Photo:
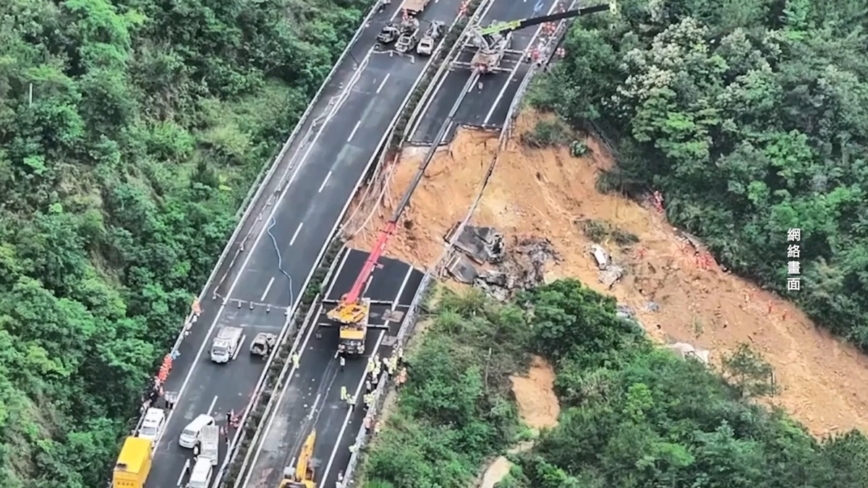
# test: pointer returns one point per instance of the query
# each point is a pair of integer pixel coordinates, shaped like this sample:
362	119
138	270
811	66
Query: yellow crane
302	475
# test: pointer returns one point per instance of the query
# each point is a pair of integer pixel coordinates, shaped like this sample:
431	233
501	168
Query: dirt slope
544	193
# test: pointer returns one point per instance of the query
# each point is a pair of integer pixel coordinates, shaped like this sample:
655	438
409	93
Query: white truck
226	344
209	443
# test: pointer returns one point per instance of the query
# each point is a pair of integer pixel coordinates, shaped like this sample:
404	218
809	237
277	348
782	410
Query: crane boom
355	292
512	25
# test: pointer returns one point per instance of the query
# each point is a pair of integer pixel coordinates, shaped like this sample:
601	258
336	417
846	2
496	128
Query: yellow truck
134	463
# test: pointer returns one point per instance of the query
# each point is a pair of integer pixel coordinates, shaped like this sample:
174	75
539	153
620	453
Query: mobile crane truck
493	41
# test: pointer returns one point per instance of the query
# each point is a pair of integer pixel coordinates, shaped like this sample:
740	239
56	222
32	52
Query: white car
153	425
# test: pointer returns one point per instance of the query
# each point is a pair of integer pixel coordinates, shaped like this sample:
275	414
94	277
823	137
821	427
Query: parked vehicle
226	344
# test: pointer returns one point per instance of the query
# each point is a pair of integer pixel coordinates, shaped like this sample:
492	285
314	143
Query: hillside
631	415
750	119
547	193
130	131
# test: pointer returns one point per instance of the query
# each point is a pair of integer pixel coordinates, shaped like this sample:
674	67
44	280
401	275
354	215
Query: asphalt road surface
322	168
489	106
311	398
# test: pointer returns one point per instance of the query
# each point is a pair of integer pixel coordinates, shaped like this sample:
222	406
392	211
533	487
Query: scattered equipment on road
429	39
302	474
226	343
262	344
493	41
153	424
133	464
209	444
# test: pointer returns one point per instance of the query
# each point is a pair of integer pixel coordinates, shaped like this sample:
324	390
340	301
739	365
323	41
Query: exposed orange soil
544	193
535	395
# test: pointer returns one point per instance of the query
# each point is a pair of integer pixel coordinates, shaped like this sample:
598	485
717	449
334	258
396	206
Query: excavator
493	41
302	474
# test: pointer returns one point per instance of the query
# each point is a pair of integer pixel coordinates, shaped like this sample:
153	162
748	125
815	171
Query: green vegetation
130	132
750	117
631	415
455	409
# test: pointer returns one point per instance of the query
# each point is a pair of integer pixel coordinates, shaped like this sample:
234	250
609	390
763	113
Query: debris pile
686	350
610	272
499	273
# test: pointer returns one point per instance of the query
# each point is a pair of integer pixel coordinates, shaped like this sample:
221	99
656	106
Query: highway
489	106
311	397
323	169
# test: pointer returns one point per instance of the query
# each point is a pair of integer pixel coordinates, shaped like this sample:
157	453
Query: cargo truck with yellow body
134	463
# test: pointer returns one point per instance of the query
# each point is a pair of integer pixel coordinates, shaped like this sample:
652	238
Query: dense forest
631	415
751	118
129	133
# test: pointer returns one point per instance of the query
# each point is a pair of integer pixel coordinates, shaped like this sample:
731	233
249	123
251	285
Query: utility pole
30	97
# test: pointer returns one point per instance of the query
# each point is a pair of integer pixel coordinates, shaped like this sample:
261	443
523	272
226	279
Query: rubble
610	273
481	244
519	266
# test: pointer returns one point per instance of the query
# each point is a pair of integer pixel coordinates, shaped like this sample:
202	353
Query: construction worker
367	424
351	402
400	356
369	368
296	358
367	386
369	400
343	393
343	362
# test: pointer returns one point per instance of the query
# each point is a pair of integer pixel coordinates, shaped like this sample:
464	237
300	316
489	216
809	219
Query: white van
190	435
153	424
201	475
